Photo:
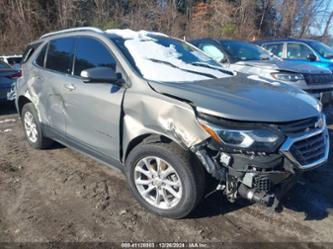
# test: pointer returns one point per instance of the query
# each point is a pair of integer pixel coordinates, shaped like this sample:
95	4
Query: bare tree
23	21
328	23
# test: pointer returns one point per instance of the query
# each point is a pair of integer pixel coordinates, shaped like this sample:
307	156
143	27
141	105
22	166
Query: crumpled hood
290	66
241	98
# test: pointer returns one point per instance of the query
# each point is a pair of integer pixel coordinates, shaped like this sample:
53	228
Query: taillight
15	75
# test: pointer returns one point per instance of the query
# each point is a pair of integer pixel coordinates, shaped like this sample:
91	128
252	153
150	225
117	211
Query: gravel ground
60	195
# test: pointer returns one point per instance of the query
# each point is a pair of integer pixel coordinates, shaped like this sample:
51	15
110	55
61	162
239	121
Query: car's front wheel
165	179
32	128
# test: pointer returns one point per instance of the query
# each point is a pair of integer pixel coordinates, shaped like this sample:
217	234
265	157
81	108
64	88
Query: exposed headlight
292	77
259	140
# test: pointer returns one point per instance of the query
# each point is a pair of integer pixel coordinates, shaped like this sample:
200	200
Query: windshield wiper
183	69
203	64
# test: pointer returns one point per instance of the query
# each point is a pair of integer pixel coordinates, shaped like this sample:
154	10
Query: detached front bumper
263	177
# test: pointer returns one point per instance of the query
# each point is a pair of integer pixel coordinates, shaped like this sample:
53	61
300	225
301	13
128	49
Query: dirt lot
60	195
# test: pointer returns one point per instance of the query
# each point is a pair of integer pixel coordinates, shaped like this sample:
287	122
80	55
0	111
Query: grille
318	79
262	182
299	127
3	93
309	150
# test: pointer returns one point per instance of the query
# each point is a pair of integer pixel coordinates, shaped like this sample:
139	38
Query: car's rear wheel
32	128
165	179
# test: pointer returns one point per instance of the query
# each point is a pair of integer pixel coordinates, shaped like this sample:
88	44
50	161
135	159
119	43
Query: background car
12	60
8	76
249	58
305	50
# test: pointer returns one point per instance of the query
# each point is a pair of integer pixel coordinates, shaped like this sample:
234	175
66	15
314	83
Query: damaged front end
261	161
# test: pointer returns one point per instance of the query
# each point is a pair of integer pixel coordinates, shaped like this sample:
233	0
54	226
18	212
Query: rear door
58	67
92	110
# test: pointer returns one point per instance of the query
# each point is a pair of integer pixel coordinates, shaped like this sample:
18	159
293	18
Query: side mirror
101	75
311	57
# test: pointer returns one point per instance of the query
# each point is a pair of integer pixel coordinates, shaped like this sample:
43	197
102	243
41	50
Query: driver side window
91	53
213	52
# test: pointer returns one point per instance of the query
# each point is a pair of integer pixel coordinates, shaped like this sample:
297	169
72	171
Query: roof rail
72	30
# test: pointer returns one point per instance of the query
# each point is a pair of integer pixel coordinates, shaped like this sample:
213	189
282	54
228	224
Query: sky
330	31
322	20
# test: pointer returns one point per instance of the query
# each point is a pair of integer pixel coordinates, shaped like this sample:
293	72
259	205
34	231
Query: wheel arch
148	138
22	100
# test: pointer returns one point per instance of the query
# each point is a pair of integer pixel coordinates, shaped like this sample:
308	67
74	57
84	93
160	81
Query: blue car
305	50
8	76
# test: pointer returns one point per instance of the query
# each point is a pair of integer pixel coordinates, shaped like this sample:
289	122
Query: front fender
154	113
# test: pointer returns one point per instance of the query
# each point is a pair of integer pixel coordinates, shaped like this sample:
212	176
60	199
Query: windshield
158	57
244	51
324	50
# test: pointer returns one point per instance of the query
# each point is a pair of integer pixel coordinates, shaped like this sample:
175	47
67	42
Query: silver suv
165	114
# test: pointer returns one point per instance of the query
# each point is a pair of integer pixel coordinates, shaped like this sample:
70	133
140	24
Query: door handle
70	87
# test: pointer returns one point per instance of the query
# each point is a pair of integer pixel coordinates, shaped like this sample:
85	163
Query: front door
92	110
298	51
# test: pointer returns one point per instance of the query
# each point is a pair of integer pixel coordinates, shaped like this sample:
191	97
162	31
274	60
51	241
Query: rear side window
275	48
29	51
60	55
41	57
91	53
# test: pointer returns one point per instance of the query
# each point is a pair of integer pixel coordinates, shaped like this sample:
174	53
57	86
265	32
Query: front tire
32	128
165	179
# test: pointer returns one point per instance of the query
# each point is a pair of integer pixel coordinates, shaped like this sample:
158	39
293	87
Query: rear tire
32	128
176	185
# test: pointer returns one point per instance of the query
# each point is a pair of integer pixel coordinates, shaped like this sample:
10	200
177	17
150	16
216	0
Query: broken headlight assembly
258	138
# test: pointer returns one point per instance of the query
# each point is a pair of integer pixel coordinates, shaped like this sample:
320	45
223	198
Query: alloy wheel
30	127
158	182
